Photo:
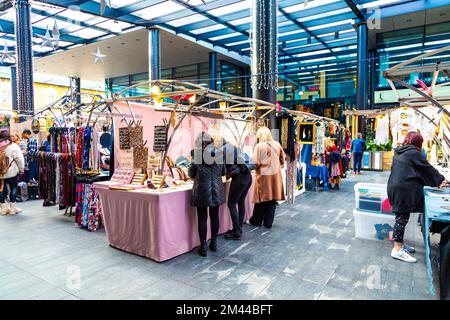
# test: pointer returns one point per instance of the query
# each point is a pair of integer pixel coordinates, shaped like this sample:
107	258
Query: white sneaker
13	209
4	210
402	255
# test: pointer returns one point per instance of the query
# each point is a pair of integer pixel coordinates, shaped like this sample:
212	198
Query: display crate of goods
373	226
372	197
387	160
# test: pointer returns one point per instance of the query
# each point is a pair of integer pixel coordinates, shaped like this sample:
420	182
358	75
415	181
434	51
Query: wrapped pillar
154	54
264	53
24	60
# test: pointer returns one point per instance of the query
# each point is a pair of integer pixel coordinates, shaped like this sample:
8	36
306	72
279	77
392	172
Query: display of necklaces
319	146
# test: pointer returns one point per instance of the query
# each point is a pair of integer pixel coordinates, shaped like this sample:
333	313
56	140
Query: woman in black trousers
206	170
410	172
239	167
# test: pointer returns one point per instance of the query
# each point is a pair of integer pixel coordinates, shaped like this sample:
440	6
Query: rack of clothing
56	172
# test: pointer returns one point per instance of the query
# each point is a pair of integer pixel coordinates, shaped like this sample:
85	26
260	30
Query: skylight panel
87	33
187	20
225	36
158	10
222	11
209	29
309	5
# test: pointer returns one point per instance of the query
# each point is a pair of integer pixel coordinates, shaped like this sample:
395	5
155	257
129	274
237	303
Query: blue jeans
33	170
357	161
12	184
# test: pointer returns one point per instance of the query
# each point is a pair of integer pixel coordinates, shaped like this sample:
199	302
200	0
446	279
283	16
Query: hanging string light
262	43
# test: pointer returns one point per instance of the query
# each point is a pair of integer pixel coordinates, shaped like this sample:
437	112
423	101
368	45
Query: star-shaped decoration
5	54
50	40
103	5
98	56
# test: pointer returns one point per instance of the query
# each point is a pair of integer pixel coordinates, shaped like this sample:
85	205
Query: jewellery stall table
158	225
437	209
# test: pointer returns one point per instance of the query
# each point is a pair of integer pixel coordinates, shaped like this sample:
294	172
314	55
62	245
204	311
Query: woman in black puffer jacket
207	170
410	172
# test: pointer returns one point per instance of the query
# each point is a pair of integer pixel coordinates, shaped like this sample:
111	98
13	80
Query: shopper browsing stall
357	148
268	158
11	164
239	167
32	148
409	174
207	191
334	163
46	145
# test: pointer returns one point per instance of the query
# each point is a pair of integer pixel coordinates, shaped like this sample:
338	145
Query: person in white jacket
9	179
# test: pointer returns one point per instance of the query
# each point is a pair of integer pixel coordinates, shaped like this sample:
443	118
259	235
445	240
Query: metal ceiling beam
70	20
204	7
143	4
8	27
396	9
355	10
211	17
91	7
302	26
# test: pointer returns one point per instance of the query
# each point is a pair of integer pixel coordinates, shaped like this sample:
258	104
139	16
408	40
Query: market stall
146	204
311	132
435	127
76	130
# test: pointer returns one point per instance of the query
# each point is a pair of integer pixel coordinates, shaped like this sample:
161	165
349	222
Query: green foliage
372	146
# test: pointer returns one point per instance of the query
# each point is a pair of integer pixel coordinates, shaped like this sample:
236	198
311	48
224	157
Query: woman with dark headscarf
410	172
207	169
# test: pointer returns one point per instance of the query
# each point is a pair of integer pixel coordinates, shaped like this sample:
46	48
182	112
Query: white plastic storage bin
372	197
373	226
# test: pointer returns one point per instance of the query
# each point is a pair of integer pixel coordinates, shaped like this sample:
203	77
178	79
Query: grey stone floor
310	253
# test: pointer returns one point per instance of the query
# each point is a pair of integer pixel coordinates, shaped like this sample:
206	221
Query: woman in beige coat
8	177
268	158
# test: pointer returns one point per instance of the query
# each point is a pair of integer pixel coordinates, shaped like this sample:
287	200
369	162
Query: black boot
213	244
203	249
233	236
336	187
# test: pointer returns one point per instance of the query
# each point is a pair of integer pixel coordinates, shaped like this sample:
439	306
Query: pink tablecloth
157	226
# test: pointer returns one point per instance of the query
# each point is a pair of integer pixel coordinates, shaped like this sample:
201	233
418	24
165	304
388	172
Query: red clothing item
331	149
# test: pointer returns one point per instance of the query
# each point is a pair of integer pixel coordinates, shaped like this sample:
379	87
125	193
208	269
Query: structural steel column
264	59
363	70
14	88
213	70
154	54
24	60
373	79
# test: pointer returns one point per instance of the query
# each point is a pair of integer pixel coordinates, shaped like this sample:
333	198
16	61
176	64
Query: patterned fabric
401	220
335	170
86	147
79	150
32	147
88	213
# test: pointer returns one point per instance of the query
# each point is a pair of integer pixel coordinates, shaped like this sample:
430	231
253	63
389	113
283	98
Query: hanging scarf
87	147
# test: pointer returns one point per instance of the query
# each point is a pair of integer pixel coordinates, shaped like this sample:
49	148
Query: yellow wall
44	94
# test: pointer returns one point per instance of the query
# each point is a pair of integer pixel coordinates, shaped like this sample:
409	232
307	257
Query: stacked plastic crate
374	219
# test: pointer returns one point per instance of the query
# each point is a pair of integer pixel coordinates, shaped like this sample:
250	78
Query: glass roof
311	33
